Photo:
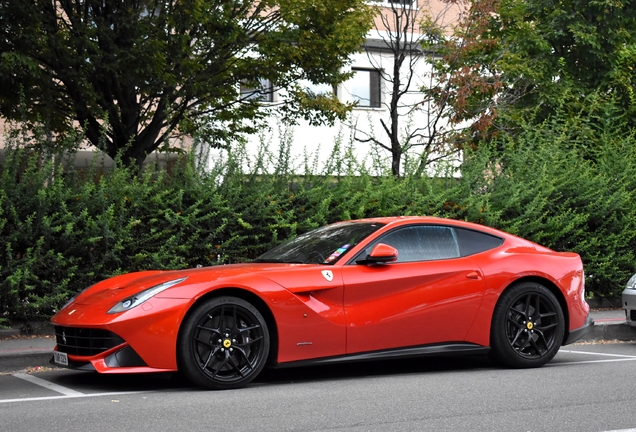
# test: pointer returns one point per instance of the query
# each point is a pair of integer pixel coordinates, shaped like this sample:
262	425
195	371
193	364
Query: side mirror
381	253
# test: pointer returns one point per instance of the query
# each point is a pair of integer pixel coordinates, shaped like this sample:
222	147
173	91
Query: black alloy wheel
528	326
223	343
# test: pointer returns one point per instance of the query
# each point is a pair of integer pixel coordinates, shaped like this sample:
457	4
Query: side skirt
456	348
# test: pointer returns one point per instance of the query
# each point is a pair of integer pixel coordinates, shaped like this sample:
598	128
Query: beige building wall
443	13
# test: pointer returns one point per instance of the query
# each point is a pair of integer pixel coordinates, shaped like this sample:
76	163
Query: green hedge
62	230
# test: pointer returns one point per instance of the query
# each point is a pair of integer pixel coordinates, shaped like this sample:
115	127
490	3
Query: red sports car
349	291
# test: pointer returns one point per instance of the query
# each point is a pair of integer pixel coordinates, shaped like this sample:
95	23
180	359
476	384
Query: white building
371	88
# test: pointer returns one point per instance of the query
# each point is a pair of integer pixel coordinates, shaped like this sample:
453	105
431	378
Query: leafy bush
62	230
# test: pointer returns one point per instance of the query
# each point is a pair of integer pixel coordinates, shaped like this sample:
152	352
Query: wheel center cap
529	326
227	343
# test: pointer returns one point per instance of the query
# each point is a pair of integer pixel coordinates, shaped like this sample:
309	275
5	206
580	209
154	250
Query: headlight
631	283
142	296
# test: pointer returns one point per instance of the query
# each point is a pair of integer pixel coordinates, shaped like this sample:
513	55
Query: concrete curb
11	362
610	331
21	354
42	328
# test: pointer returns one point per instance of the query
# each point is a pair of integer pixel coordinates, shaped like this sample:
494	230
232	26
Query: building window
365	87
394	2
264	92
318	89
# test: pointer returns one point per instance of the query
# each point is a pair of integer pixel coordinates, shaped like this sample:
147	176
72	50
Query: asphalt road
587	387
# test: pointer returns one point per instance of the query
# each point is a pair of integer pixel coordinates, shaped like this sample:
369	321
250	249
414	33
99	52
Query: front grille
632	314
85	341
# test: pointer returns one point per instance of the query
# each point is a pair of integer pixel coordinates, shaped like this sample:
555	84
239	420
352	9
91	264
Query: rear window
472	242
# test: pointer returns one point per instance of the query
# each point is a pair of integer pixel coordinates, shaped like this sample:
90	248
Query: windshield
324	245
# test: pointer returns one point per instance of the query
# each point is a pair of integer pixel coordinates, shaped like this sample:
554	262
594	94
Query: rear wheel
223	343
527	327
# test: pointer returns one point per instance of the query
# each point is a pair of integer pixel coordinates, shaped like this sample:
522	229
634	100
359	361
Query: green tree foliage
511	59
145	69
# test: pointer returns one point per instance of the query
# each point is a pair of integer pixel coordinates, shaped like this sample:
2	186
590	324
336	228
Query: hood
121	287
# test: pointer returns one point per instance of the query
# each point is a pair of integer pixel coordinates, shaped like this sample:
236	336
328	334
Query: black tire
527	326
223	343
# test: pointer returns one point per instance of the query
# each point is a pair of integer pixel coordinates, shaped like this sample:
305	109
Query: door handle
473	275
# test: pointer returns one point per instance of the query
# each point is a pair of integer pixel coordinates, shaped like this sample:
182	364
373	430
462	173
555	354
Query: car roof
403	220
396	220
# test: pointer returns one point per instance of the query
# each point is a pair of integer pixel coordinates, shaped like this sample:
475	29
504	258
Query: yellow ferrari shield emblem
227	343
530	325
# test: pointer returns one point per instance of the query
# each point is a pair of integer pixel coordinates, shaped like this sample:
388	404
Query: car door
430	294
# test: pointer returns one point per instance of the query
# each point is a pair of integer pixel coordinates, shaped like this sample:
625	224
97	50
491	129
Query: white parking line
623	430
592	361
67	393
49	385
81	395
594	353
621	357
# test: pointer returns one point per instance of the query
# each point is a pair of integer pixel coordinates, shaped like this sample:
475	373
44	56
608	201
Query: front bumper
92	336
98	350
629	304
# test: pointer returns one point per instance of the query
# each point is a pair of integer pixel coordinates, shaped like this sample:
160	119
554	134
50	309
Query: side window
422	243
472	242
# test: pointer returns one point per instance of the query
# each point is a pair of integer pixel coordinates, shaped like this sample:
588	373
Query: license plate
60	358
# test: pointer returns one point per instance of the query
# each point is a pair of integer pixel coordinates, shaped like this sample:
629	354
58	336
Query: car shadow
92	382
437	364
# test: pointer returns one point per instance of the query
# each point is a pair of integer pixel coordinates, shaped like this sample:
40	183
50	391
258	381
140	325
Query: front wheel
527	326
223	343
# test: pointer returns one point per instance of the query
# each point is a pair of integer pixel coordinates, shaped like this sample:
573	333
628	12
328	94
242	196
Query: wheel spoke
244	329
223	363
210	329
514	341
526	341
546	327
546	315
514	322
520	313
245	357
235	323
546	344
533	344
222	323
527	306
250	342
212	353
537	307
236	367
202	342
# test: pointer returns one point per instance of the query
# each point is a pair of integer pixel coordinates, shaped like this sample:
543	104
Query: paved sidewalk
20	352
